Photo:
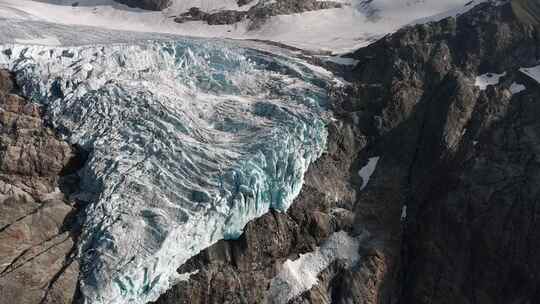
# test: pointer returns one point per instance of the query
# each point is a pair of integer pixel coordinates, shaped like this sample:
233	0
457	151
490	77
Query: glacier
188	140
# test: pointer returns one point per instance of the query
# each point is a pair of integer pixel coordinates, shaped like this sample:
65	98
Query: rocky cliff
256	14
153	5
37	227
468	153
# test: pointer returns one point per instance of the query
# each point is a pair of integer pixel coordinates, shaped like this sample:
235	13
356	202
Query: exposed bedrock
257	14
450	213
37	227
527	10
153	5
469	157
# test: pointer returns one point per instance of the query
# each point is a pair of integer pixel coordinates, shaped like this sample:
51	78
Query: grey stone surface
463	161
257	14
468	157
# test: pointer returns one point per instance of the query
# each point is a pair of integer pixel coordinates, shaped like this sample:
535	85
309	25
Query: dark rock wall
470	156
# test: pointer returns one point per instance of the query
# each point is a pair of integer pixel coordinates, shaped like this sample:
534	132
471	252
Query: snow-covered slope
356	24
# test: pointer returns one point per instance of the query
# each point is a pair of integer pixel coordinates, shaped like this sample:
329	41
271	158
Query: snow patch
517	88
450	11
300	275
532	72
319	70
403	213
184	277
366	171
210	6
485	80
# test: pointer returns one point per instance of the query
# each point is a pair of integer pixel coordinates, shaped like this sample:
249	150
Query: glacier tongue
188	141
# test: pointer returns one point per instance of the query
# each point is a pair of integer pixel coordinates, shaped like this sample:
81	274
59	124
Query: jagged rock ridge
258	13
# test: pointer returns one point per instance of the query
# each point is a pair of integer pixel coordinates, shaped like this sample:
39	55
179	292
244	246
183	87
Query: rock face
153	5
37	262
450	213
258	13
468	157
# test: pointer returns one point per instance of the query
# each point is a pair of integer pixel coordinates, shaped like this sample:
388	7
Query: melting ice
188	141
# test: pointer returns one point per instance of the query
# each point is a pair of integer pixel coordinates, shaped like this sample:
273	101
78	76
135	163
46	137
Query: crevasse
188	141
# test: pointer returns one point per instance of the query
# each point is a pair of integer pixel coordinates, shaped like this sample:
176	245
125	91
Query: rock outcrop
37	228
468	156
257	14
153	5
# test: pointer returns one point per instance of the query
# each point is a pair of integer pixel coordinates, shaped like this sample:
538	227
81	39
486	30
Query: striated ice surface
188	141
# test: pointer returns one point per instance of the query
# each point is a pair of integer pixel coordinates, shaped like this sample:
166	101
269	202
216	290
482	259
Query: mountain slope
469	154
449	214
